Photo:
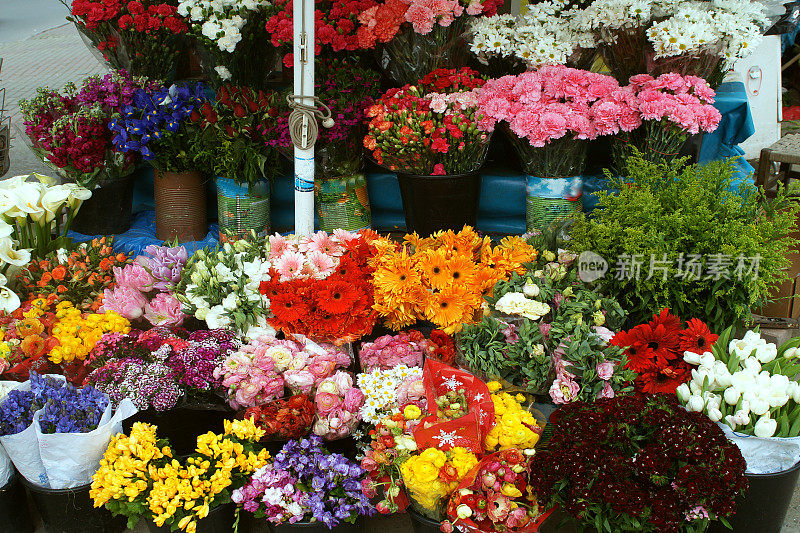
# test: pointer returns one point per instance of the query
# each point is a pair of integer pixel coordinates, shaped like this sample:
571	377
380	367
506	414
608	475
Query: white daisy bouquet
221	287
233	35
386	390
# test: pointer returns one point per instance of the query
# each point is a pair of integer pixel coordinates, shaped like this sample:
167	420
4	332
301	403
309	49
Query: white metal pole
303	25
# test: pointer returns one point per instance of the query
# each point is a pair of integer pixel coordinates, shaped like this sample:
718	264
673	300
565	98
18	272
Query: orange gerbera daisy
434	267
445	309
461	269
396	275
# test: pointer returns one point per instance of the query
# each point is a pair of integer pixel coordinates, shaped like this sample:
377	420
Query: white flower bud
765	427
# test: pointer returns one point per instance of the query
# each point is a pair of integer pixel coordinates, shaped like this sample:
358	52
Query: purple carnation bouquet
306	483
159	367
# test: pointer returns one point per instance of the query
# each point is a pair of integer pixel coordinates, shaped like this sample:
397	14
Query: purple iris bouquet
162	126
306	483
156	368
65	409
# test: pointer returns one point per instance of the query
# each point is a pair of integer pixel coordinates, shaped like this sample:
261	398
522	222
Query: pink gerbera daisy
289	265
277	246
342	235
324	243
323	264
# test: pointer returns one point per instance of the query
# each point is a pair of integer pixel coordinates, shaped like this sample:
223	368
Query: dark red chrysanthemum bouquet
144	37
655	350
639	463
431	128
336	308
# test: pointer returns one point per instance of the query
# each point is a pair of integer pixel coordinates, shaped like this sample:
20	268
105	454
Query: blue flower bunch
162	126
66	409
325	487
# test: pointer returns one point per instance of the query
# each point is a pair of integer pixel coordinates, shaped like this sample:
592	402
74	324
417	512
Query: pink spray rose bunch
250	378
406	348
338	402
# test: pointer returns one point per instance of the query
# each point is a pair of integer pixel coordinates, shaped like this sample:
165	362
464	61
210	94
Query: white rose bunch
746	383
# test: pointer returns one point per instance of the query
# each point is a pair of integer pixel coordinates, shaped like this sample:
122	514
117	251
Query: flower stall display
160	126
69	131
222	288
54	433
659	36
441	278
386	391
549	115
233	38
747	386
143	289
158	368
701	240
284	418
347	90
260	370
671	107
139	477
638	463
415	38
655	350
320	286
306	483
515	426
428	130
494	496
506	44
234	133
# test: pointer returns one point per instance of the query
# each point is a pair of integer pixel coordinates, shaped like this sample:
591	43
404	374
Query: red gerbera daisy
665	381
287	308
639	356
337	297
672	324
697	338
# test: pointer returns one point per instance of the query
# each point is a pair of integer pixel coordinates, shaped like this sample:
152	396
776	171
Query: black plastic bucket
219	520
181	425
108	211
423	524
319	527
433	203
72	511
14	513
763	507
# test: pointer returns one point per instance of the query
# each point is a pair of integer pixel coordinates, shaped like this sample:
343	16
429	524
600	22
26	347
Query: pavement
39	48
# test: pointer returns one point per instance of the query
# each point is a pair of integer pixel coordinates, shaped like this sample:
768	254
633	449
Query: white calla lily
53	200
11	256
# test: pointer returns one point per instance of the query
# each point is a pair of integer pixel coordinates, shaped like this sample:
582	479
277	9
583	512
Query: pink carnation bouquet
338	403
671	107
550	113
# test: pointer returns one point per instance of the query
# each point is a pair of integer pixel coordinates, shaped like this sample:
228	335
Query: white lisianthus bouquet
385	390
233	34
747	386
221	287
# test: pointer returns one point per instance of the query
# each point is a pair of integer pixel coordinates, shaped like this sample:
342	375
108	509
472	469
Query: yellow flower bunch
123	480
513	424
442	278
186	493
77	333
433	474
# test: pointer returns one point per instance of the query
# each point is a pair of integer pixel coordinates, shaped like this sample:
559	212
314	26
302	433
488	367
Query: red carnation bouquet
144	37
431	128
336	308
655	350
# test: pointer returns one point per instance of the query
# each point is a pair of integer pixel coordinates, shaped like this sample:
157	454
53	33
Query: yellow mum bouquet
138	475
431	476
442	278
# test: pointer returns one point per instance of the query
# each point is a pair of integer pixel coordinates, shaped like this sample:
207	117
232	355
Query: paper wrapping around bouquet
470	430
468	482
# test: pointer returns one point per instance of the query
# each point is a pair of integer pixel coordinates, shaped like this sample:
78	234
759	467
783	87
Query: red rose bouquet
285	418
638	463
655	350
494	497
418	36
144	37
432	128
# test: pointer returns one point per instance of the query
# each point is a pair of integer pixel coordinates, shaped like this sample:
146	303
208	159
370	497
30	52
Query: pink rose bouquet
549	113
406	348
250	379
338	402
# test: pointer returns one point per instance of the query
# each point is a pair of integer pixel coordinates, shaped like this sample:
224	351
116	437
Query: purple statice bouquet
306	483
144	288
69	129
65	409
156	368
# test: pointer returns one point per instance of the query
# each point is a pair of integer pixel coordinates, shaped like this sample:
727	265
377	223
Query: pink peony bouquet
406	348
143	289
338	403
549	113
308	257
